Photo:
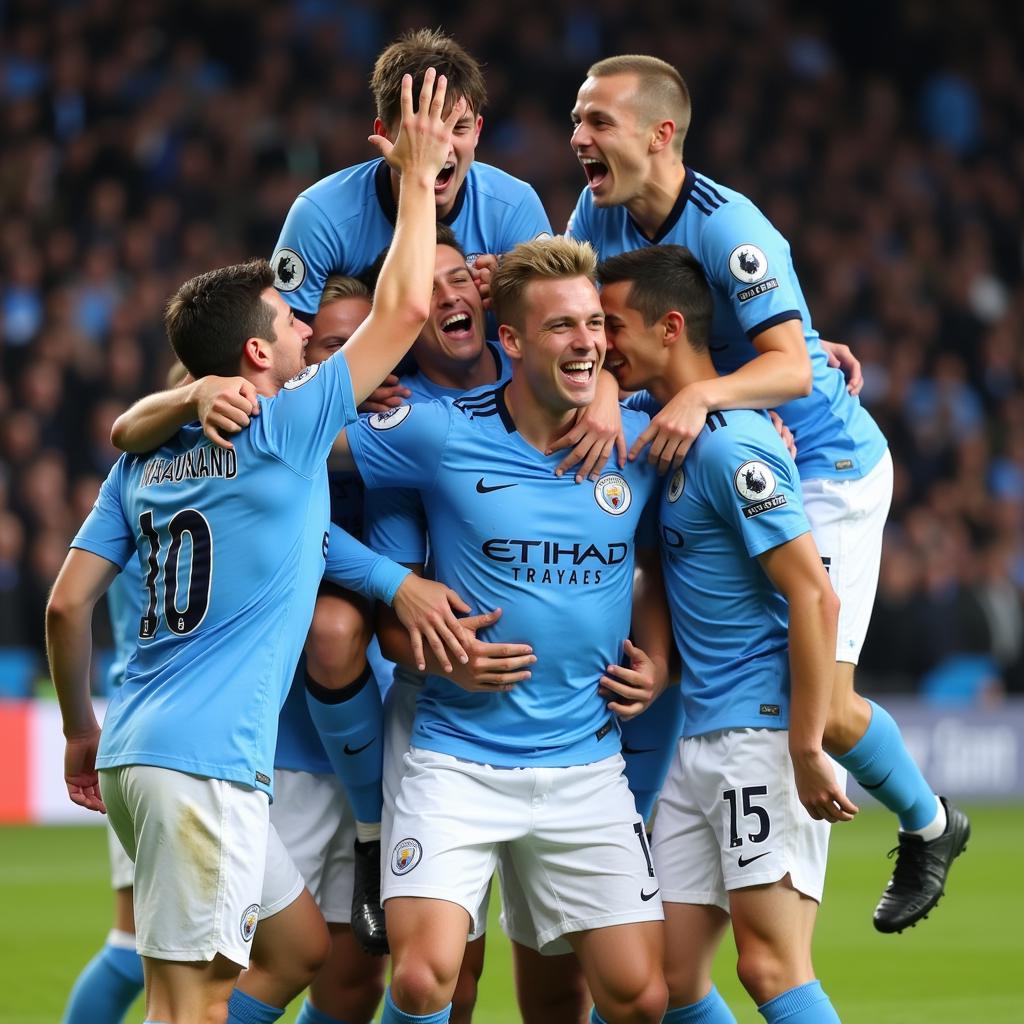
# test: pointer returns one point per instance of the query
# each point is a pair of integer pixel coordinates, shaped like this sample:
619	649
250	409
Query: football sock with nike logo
393	1015
805	1004
350	722
881	763
712	1009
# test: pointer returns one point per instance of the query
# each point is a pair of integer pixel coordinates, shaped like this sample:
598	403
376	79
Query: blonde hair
661	91
543	259
337	287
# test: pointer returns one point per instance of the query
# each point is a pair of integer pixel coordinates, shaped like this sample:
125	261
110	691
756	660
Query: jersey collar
673	215
504	415
388	206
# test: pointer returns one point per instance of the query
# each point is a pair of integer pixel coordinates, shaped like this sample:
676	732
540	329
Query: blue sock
393	1015
881	763
107	986
595	1017
309	1014
712	1009
350	724
244	1009
649	742
805	1004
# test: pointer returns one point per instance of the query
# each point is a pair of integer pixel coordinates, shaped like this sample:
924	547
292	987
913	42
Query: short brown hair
210	317
663	278
412	54
661	91
369	276
543	259
338	287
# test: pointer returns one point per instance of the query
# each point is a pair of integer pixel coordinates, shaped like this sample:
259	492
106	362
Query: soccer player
340	224
755	619
232	544
536	760
630	118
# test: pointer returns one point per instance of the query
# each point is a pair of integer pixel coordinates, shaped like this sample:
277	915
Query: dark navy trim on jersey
674	214
479	405
779	318
715	196
386	198
506	416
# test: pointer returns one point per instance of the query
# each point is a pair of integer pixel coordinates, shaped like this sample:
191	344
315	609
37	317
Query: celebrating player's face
636	354
333	326
454	333
611	139
562	345
465	136
291	334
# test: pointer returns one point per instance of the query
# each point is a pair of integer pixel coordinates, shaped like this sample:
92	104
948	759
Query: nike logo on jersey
744	861
645	896
357	750
482	488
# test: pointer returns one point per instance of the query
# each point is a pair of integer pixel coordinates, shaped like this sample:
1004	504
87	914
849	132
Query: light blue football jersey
341	224
124	596
750	270
556	556
232	546
735	497
403	524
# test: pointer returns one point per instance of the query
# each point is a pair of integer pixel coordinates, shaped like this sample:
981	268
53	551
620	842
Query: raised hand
424	136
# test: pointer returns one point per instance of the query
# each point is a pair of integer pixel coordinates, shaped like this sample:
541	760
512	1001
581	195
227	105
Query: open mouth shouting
457	326
444	177
596	171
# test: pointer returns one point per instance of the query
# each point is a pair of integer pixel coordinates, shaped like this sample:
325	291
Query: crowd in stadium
146	143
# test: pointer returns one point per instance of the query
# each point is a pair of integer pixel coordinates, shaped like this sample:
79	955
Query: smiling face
333	325
287	351
561	344
637	354
453	336
461	153
611	139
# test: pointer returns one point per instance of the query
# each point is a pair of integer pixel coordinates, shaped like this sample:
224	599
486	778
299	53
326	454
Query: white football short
122	870
314	819
206	859
847	520
573	835
729	817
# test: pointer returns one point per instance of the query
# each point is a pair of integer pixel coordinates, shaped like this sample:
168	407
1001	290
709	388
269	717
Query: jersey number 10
197	589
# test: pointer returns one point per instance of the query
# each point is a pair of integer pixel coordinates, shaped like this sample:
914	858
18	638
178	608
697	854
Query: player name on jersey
199	463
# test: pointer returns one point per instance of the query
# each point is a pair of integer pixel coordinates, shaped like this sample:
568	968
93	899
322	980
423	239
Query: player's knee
642	1003
568	1002
687	983
763	973
336	645
421	987
294	967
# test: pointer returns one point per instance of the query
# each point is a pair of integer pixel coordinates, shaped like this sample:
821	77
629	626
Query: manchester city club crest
250	918
676	485
612	493
408	853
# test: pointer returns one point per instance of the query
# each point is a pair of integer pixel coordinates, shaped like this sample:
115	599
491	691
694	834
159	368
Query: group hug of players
539	563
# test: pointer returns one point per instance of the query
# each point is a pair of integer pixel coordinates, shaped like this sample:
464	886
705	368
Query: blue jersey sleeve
352	565
525	222
579	221
299	425
106	531
307	252
643	401
753	485
746	259
397	524
401	447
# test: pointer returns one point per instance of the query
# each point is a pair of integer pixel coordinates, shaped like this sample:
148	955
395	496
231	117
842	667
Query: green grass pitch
964	964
